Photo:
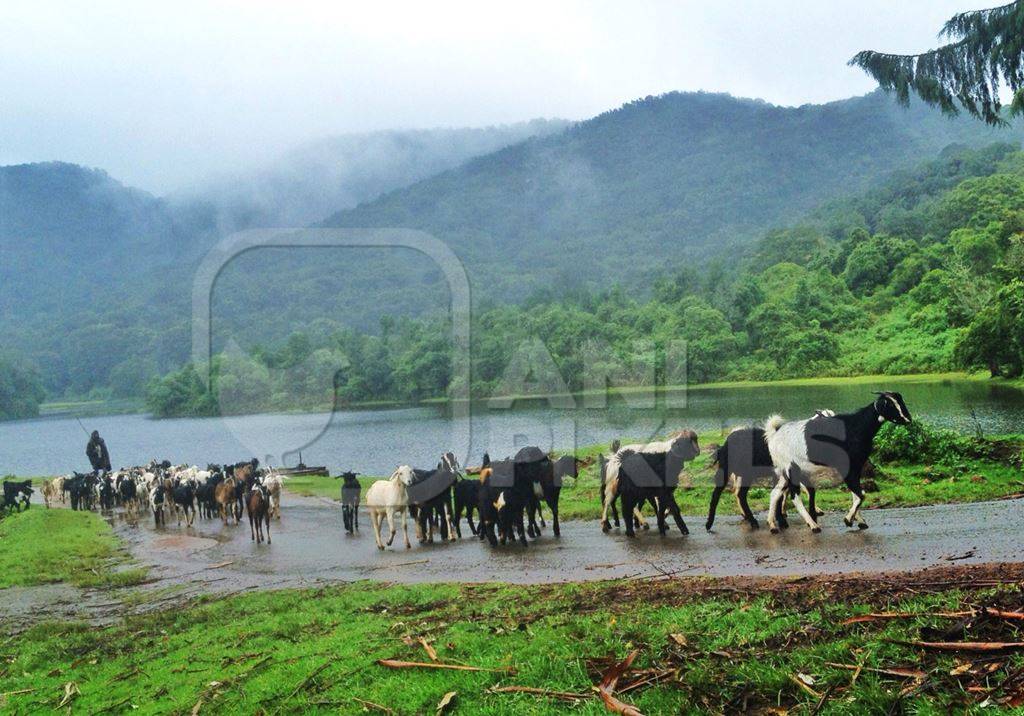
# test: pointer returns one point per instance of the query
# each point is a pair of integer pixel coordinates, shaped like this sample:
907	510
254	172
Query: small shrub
922	443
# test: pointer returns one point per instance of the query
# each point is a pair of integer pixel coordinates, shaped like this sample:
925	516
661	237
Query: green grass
39	546
903	485
316	650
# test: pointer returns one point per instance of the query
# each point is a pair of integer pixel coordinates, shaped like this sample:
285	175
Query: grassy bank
899	483
39	546
702	646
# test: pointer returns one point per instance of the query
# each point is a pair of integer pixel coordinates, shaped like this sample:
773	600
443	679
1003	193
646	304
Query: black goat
107	493
745	457
652	472
17	495
351	491
82	490
831	444
430	502
184	496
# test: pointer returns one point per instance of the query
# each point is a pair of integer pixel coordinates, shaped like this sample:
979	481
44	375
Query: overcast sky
164	95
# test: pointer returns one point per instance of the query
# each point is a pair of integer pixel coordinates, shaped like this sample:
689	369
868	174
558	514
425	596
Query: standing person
97	453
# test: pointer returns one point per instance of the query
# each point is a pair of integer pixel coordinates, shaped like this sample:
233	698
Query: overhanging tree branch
986	54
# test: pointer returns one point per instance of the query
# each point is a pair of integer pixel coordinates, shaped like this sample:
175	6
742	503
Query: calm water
374	442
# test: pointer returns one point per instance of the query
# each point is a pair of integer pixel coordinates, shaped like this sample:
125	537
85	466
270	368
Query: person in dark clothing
97	453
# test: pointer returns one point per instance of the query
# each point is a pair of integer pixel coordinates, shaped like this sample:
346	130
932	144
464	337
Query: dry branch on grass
606	689
560	695
397	664
970	646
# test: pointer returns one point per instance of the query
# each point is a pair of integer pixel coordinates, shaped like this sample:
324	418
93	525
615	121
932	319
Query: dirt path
310	548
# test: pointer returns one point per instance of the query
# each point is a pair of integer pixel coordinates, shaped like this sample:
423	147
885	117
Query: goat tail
772	424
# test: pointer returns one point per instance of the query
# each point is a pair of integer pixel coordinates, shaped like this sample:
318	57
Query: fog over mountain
95	276
320	178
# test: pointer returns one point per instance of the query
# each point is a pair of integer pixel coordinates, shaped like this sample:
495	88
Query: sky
166	95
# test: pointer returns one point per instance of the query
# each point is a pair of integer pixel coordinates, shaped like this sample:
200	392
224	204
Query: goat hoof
631	534
605	527
775	530
815	530
848	523
862	525
818	513
686	531
645	526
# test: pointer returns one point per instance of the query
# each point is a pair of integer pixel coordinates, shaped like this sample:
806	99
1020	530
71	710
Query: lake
374	442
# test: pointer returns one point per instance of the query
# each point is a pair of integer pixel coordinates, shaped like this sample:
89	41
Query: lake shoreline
66	409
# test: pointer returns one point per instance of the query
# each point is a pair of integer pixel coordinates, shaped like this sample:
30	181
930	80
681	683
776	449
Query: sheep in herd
350	493
825	446
388	498
257	503
651	472
744	459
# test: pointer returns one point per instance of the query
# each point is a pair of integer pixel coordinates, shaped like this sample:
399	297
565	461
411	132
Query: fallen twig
804	686
370	704
561	695
606	689
897	671
305	682
429	649
397	664
398	564
821	702
973	646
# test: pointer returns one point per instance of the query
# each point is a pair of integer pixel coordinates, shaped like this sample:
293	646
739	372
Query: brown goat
258	504
224	495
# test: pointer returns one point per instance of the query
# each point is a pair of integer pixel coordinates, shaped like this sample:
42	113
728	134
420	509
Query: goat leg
748	515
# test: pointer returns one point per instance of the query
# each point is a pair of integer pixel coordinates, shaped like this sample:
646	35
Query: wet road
309	548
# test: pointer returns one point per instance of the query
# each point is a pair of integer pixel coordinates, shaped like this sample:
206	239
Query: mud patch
185	543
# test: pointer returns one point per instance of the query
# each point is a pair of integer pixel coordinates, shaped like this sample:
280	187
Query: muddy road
310	547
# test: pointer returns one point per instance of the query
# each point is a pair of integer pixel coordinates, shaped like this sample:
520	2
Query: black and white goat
744	460
651	472
827	445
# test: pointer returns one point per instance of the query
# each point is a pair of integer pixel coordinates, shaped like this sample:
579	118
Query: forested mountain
322	177
923	273
659	182
96	277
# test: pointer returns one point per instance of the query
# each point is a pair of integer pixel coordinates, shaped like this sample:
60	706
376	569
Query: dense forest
96	277
923	273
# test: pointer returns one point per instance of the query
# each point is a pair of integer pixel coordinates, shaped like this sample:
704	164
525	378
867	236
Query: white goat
274	482
386	498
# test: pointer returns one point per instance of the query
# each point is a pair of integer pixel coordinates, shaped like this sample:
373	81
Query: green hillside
924	273
96	277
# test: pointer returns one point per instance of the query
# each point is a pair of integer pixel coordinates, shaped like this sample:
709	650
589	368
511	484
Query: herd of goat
796	456
178	491
509	495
